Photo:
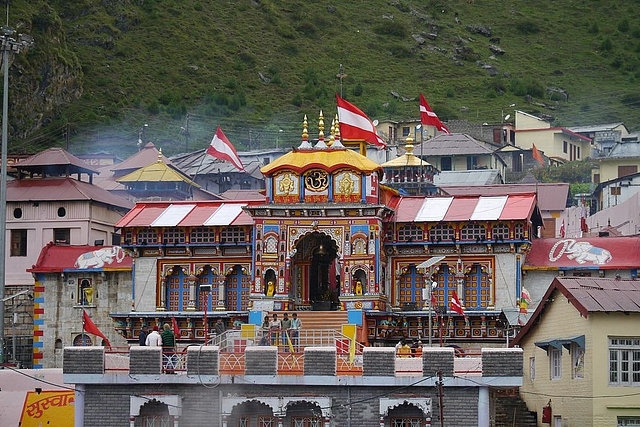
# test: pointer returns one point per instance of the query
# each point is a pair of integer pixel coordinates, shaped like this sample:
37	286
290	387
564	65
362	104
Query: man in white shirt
294	331
154	339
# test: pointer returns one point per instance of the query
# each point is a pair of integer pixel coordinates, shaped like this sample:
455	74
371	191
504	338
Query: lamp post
142	136
428	290
9	46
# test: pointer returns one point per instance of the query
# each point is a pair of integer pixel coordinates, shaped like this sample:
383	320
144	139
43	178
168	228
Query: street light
206	290
426	291
9	46
141	135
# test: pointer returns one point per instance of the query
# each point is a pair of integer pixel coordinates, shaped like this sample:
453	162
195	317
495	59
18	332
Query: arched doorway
304	414
316	274
251	413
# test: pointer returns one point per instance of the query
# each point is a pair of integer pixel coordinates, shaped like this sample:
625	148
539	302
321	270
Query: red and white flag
455	304
90	327
428	117
222	149
562	229
354	124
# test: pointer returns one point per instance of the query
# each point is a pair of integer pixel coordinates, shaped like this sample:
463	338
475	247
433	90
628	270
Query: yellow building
582	353
559	144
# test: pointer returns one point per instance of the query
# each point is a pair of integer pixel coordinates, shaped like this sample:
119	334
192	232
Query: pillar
483	407
78	417
221	294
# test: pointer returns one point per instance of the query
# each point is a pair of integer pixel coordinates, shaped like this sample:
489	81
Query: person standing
154	339
142	338
296	325
285	324
169	347
274	329
219	328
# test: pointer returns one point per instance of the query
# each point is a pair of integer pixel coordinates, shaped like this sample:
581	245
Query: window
173	236
532	368
564	147
147	236
410	233
472	162
85	292
446	164
577	361
202	235
232	234
473	232
615	191
18	242
62	235
628	421
62	212
405	131
500	231
555	360
624	361
627	170
17	213
307	422
441	232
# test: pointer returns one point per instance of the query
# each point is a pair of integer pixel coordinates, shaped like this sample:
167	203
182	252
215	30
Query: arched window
500	231
441	232
473	231
477	288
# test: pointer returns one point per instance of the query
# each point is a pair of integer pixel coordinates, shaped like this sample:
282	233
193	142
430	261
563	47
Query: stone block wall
320	361
83	360
502	362
145	360
438	360
261	360
379	362
203	360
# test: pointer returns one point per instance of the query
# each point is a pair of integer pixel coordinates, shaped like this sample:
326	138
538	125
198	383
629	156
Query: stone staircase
322	319
512	411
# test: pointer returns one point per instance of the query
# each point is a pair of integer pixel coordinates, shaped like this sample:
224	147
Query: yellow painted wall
589	401
609	167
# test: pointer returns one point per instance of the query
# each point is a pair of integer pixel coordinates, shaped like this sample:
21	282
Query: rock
495	49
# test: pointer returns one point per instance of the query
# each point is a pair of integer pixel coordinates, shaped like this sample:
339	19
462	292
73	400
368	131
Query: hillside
100	70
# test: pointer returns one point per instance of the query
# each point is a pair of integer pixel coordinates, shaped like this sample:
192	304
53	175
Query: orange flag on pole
537	155
90	327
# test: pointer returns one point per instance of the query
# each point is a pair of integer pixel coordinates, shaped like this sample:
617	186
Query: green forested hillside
101	69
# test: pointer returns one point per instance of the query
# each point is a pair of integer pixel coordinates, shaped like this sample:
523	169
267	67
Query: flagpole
204	153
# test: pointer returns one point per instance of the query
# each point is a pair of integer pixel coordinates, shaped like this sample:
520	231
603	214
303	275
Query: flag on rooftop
428	117
354	124
222	149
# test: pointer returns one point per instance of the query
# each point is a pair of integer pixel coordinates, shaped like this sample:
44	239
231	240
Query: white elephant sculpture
582	252
100	257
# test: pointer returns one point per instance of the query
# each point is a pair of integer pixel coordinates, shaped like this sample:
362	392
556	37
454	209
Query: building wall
608	168
87	223
623	400
538	392
145	279
61	315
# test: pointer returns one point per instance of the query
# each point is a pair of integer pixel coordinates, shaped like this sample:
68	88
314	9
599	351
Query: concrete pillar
79	406
483	407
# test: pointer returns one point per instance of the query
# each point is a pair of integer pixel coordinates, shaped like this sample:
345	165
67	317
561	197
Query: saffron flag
176	328
90	327
222	149
354	124
455	304
428	117
537	155
562	232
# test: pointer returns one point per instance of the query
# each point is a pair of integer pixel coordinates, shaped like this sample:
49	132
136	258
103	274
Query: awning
193	214
559	343
466	208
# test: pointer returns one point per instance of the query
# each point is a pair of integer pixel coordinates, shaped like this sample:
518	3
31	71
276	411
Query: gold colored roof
407	159
156	172
329	159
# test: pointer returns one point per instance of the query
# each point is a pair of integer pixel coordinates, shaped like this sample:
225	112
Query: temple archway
316	275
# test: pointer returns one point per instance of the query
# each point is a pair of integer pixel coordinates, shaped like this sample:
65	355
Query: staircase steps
512	411
322	319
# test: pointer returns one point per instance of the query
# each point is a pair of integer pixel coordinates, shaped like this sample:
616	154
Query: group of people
403	349
166	340
285	331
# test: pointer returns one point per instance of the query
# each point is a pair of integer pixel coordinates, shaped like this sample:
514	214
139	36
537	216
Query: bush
522	87
623	26
358	90
606	45
527	27
390	28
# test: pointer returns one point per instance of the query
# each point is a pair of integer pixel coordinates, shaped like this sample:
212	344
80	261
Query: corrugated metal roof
550	196
421	209
588	295
148	155
455	144
58	189
188	214
55	157
479	177
405	160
